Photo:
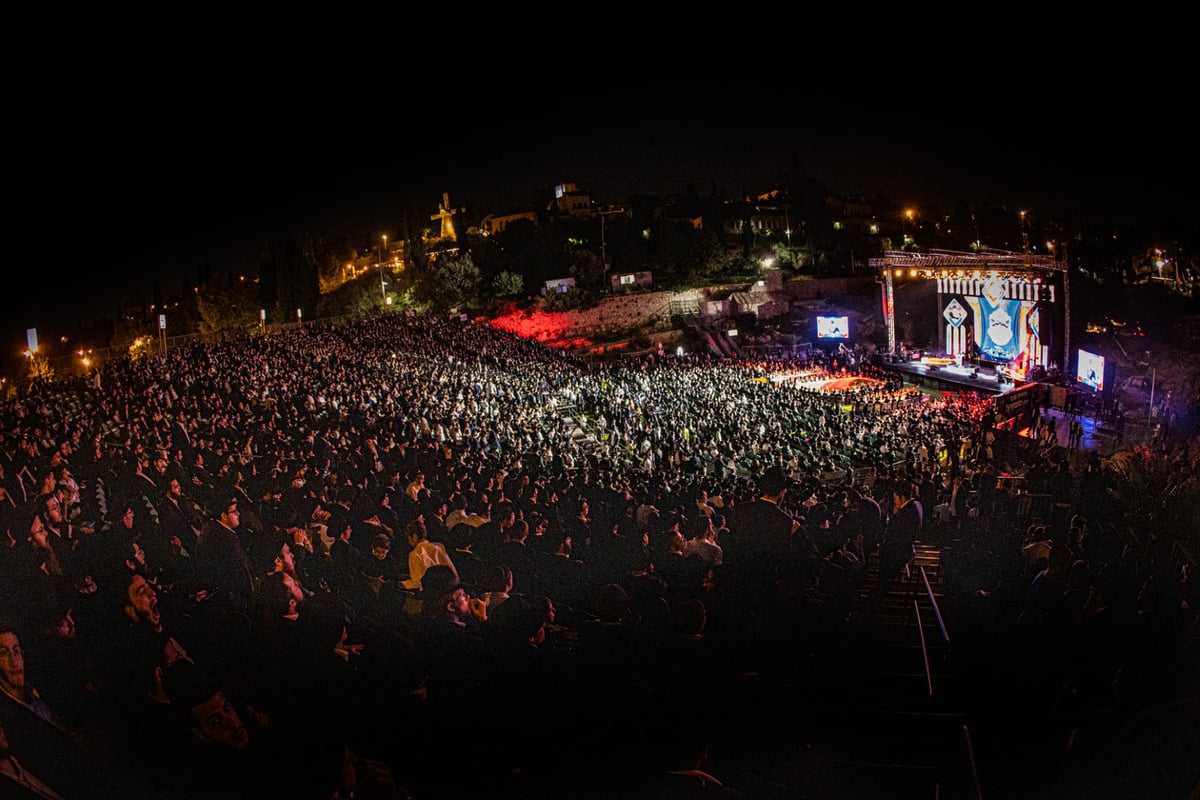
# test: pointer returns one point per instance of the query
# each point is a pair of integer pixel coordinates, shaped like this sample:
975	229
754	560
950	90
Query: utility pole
603	250
382	282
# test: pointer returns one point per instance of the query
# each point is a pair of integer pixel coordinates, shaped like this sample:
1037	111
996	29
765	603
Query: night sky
121	180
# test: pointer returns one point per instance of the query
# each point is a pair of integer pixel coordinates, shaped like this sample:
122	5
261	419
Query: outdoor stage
991	310
983	379
929	373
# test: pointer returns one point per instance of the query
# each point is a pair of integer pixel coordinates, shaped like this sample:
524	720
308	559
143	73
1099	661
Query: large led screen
1090	370
833	327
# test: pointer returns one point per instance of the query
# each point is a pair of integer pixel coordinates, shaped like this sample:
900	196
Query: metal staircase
887	721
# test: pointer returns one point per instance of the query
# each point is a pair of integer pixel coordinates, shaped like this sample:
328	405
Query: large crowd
409	556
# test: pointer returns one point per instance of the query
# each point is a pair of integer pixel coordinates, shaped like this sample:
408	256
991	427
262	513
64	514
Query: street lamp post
382	282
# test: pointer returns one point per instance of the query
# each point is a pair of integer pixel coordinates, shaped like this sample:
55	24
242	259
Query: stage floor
951	378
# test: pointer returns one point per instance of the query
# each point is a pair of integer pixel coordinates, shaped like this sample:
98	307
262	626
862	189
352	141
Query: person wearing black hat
440	592
903	529
222	560
381	562
450	632
231	749
345	559
178	516
760	537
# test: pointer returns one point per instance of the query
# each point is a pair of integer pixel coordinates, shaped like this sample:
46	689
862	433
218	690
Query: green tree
508	284
231	307
305	272
587	268
331	256
513	250
40	370
291	267
184	317
356	298
268	285
709	256
1150	491
573	298
452	283
687	253
131	328
416	260
784	254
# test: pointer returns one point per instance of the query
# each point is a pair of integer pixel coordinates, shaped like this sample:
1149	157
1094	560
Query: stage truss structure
1001	268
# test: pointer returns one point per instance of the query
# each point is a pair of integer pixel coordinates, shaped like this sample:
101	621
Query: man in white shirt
413	490
460	514
704	543
424	554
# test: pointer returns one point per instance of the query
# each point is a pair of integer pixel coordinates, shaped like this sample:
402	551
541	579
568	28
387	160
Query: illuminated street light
1160	261
382	282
